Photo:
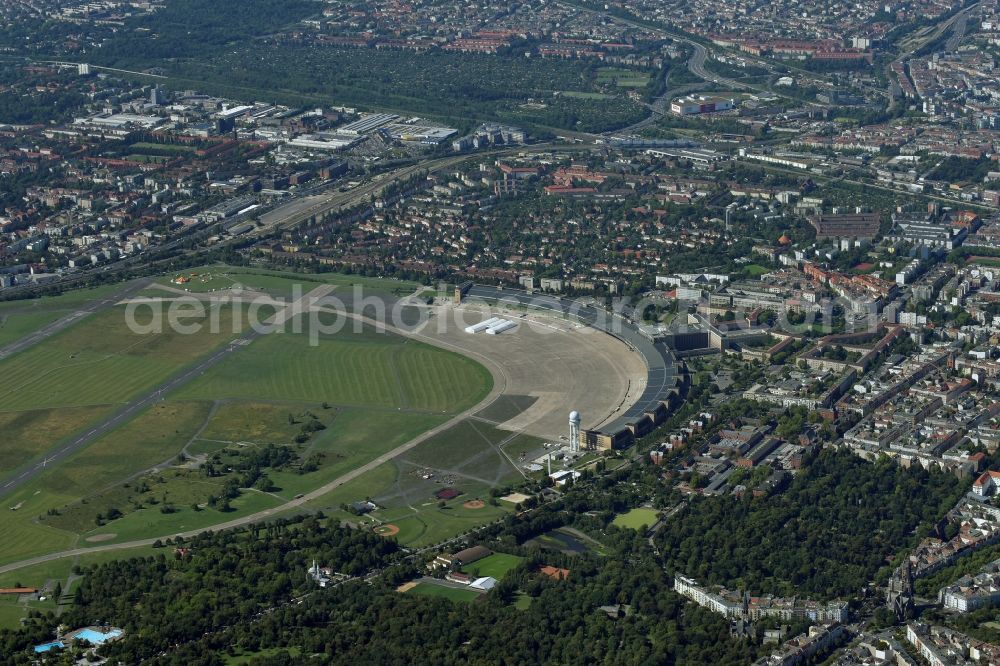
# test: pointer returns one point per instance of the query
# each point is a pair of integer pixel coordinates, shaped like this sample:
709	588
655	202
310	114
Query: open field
353	438
347	368
29	433
452	593
257	422
154	437
100	361
215	277
65	302
623	78
636	518
384	390
496	565
18	324
371	392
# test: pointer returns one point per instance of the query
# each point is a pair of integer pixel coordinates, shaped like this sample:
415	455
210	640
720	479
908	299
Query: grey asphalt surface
660	363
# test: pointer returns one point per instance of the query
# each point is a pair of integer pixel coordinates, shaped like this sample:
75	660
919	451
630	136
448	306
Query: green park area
637	518
218	277
623	78
496	565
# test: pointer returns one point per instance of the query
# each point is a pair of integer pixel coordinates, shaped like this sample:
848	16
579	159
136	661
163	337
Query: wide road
24	475
62	323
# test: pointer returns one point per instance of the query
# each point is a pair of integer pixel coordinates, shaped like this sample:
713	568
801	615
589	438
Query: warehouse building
696	104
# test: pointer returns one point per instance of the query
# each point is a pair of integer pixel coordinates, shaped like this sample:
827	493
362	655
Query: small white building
486	583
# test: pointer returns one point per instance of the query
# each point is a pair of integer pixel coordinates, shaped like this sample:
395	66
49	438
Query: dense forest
827	535
836	527
220	579
247	592
363	624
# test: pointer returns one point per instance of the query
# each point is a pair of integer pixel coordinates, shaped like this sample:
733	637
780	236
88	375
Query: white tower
574	431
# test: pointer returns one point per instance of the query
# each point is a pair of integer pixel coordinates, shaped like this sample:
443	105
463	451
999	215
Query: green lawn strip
453	593
496	565
636	518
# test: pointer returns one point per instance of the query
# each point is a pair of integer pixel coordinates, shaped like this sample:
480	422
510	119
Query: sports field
496	565
636	518
452	593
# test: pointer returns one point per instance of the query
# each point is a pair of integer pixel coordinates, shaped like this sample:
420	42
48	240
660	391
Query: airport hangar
662	384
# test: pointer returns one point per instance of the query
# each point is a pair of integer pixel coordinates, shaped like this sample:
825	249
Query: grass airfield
370	391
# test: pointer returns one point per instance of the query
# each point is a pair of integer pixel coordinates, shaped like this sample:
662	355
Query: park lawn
452	593
432	524
23	539
260	422
65	302
101	361
464	439
352	439
496	565
11	610
411	529
624	78
279	283
522	601
391	285
209	281
755	270
31	530
469	447
368	484
154	437
636	518
150	523
31	433
347	368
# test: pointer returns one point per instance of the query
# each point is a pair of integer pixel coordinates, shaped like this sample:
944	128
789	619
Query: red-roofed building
986	484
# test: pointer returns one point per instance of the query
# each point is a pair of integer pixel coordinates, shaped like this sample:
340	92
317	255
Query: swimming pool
45	647
97	637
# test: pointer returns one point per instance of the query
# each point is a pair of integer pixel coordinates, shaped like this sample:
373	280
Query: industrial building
696	104
846	225
367	123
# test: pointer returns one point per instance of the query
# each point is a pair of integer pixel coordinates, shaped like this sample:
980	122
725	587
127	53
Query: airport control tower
574	431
